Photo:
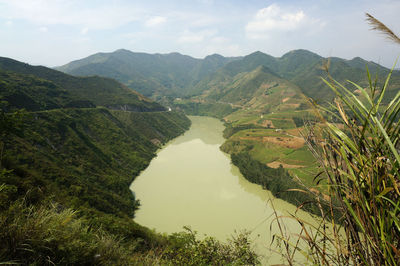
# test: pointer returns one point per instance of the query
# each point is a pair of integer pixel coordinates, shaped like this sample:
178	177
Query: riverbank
193	183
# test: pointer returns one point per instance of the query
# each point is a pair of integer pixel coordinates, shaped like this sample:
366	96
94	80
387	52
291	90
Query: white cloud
84	31
155	21
70	12
196	37
274	19
43	29
9	23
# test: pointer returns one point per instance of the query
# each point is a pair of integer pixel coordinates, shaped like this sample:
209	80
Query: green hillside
34	94
83	159
65	170
268	100
98	90
167	76
150	74
304	69
263	99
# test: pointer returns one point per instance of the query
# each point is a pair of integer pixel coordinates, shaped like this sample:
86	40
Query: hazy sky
55	32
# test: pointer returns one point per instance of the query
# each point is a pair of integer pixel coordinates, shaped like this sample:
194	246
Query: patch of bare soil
276	164
251	138
294	132
291	105
292	143
267	123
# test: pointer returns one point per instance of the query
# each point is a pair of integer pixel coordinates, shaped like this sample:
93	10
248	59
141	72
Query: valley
264	101
75	143
199	132
192	183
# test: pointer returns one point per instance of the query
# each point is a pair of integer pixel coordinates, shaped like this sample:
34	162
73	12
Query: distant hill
176	75
304	69
149	74
70	91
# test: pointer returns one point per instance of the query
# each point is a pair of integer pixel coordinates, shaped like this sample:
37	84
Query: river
192	183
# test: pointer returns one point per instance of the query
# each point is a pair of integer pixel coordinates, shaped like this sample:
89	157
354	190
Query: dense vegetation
151	75
65	172
361	170
86	92
231	130
278	181
361	164
84	159
69	150
179	75
218	110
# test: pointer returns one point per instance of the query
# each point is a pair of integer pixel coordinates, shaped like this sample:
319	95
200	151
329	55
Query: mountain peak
300	52
257	53
212	56
122	50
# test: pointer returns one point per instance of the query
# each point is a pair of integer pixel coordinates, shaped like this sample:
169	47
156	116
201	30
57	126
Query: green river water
192	183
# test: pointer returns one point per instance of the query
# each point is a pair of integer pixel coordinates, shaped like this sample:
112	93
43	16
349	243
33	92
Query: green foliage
65	174
231	130
152	75
185	249
278	181
49	89
218	110
29	92
230	79
240	80
46	235
84	159
90	155
362	172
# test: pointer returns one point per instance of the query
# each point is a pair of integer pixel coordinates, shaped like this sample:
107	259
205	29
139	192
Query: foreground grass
361	167
52	234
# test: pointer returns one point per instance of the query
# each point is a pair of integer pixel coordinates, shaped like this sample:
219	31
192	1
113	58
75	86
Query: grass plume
382	28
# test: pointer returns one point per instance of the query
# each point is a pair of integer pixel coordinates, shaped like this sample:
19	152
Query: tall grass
359	156
45	235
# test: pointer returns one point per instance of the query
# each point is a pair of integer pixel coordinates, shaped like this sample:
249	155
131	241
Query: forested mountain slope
303	69
149	74
97	90
56	157
175	75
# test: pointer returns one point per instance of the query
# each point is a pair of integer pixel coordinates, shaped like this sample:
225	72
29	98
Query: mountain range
176	75
74	137
149	74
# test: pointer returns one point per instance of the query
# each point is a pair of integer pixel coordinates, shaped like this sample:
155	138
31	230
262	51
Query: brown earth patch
251	138
291	105
285	100
292	143
156	142
278	118
294	132
267	123
276	164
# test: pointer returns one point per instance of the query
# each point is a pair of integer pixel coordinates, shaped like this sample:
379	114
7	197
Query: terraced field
276	141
